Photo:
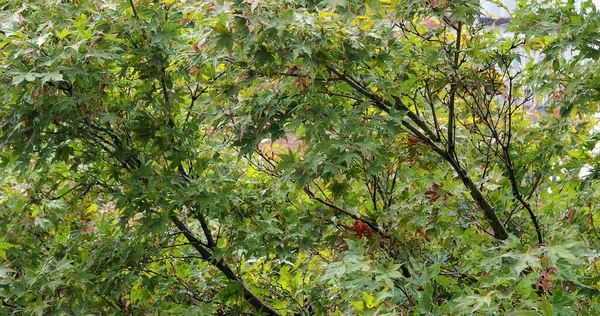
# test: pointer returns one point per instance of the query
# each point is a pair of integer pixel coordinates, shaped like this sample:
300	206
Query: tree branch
482	202
453	87
370	223
224	267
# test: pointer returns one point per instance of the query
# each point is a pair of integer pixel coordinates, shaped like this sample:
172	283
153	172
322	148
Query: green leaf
52	76
526	260
546	307
20	77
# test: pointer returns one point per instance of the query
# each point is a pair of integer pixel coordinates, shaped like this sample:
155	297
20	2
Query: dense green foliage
444	166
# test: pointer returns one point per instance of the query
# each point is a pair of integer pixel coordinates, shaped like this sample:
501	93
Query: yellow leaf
369	300
35	212
519	94
64	33
359	305
325	14
92	208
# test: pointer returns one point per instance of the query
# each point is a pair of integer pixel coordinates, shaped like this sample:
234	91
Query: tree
139	181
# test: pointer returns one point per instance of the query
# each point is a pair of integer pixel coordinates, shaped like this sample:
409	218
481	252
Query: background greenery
445	167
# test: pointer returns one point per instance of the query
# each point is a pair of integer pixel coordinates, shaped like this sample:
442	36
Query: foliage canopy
445	166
